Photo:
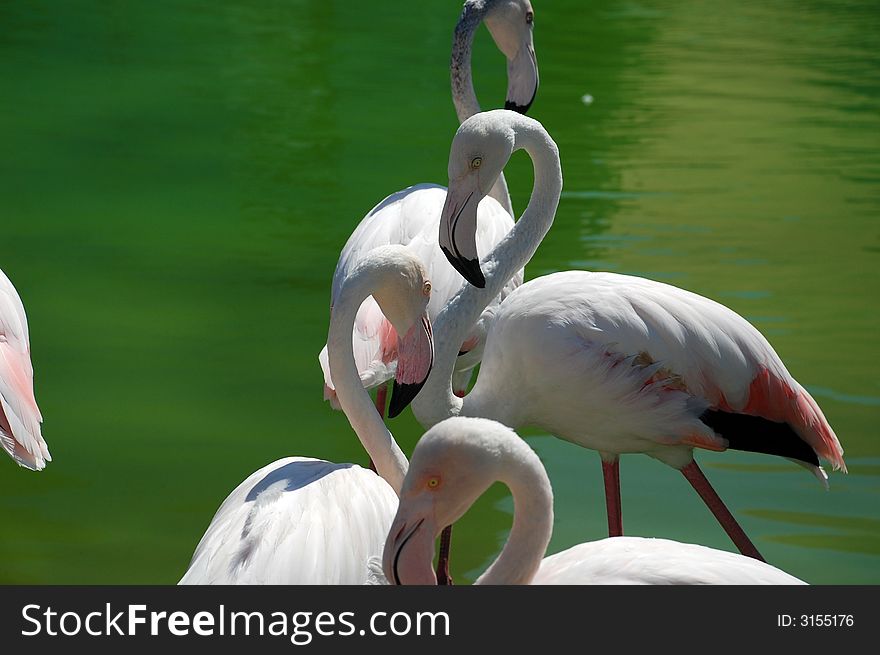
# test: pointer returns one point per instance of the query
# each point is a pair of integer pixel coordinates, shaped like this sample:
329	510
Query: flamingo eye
433	483
476	162
530	17
426	290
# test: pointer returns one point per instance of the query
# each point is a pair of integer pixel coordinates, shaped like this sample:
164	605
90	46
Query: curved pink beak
409	552
415	357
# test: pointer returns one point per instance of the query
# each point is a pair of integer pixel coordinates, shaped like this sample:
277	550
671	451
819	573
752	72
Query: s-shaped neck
436	401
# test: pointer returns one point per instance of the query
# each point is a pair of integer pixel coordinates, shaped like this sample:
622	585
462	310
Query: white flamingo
455	462
307	521
615	363
20	417
412	216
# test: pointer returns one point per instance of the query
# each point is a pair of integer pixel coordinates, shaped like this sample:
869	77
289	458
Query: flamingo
20	417
615	363
307	521
412	216
456	461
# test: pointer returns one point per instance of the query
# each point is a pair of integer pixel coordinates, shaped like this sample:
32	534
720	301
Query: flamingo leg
443	577
381	396
701	485
611	473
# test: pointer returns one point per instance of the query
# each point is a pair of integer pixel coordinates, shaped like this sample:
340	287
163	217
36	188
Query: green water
177	178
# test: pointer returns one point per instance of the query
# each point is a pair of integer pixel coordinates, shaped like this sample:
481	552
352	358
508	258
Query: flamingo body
643	561
622	364
20	418
296	521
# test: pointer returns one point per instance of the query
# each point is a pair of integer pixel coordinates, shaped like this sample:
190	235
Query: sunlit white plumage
20	418
308	521
296	521
459	458
412	216
649	561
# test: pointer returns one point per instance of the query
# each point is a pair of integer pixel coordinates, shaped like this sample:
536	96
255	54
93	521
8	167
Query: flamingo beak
522	78
409	552
458	232
415	357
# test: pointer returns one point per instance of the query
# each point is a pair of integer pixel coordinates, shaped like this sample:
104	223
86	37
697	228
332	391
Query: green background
177	179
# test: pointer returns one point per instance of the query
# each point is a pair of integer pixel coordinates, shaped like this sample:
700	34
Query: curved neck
436	401
532	528
463	95
379	443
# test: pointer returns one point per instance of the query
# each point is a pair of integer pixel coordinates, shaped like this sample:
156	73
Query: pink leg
381	395
611	473
701	485
443	577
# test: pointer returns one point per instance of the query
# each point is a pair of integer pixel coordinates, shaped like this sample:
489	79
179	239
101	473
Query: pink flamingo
615	363
20	417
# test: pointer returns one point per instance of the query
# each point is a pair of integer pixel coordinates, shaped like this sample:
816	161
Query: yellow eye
427	288
433	483
476	162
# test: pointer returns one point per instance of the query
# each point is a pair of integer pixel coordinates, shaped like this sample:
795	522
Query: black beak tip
520	109
401	396
469	269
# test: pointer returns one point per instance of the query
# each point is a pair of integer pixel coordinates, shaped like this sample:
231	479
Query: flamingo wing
297	521
637	560
411	217
20	418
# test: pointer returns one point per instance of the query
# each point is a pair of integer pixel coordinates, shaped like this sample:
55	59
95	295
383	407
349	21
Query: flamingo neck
436	400
532	528
463	95
391	464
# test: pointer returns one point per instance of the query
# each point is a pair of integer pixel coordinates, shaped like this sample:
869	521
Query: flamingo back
642	561
296	521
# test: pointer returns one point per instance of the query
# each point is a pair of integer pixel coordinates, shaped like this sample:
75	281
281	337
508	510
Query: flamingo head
449	470
402	292
511	23
480	150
